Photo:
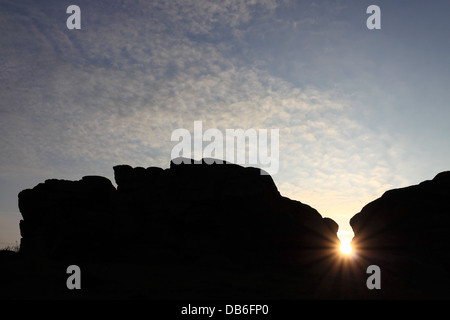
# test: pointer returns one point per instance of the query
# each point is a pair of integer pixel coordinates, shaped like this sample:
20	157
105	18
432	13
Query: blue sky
358	111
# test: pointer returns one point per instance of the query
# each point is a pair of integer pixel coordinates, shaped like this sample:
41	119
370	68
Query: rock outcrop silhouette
201	230
407	233
215	213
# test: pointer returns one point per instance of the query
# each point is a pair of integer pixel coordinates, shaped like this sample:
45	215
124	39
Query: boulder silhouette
201	229
65	215
407	232
189	212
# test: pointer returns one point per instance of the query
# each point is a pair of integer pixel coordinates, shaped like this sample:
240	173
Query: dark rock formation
407	233
66	217
222	231
185	214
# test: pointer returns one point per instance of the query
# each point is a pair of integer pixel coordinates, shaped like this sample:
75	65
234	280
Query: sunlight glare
346	247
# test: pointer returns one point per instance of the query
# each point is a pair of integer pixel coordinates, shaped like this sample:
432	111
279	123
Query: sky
359	111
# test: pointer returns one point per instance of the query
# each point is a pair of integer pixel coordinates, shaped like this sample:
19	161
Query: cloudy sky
359	111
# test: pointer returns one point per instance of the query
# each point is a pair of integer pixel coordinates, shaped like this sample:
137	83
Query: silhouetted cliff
181	214
222	231
407	233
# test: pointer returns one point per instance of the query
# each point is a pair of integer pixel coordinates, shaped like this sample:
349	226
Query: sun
346	247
